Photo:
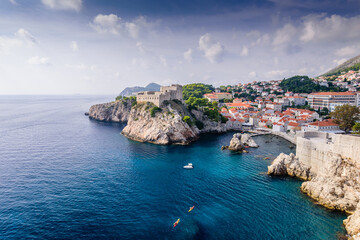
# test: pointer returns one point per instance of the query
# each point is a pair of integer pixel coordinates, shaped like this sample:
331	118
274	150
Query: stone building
166	93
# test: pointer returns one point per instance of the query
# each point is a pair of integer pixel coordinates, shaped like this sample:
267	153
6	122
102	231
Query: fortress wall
315	148
312	153
347	146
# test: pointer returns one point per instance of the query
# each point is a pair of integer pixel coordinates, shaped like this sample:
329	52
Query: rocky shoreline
164	126
335	186
117	111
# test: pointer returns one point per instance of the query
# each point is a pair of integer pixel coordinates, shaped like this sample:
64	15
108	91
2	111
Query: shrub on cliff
199	124
187	120
154	110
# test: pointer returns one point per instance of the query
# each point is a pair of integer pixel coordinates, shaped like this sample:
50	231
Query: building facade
166	93
321	100
217	96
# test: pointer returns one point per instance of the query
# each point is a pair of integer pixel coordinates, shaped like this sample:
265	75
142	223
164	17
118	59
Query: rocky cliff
334	183
117	111
163	126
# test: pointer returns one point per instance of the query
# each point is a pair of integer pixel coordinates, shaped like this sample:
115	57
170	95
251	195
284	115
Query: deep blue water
67	177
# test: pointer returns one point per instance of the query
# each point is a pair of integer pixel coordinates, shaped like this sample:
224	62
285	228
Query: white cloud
25	35
188	55
244	51
113	24
330	28
36	60
140	47
213	51
252	74
74	46
339	61
308	32
346	51
276	74
284	35
14	2
107	23
261	40
63	4
163	61
21	38
140	62
82	67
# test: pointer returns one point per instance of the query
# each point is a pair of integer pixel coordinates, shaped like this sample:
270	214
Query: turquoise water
67	177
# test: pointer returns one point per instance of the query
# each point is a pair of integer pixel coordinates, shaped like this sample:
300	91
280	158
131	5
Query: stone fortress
166	93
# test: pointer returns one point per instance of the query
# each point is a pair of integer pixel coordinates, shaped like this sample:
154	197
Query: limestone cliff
166	126
117	111
333	174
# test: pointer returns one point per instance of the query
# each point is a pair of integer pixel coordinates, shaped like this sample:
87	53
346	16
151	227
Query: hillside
352	64
129	91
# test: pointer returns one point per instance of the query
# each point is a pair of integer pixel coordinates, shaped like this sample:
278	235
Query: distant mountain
352	64
133	90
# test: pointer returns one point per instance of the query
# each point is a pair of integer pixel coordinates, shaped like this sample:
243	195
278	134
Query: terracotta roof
333	93
293	124
323	123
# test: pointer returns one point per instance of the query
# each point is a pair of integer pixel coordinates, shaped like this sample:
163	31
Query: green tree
356	128
187	120
346	116
154	110
196	90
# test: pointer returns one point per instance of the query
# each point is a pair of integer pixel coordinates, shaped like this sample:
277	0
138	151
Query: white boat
189	166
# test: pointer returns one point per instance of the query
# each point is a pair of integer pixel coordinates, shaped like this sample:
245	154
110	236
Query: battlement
166	93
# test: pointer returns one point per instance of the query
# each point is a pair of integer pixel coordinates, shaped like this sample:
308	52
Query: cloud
252	74
140	47
339	61
276	74
25	35
82	67
346	51
106	24
74	46
188	55
213	51
244	51
21	38
115	25
284	35
63	4
330	28
163	61
14	2
36	60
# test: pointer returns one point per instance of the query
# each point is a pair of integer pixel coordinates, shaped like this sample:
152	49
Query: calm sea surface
63	176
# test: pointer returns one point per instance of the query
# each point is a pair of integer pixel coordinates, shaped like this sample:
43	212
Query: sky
101	47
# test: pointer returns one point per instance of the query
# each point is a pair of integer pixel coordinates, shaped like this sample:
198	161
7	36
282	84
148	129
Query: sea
65	176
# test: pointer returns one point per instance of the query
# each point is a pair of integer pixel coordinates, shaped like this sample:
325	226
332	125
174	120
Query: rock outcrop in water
333	178
166	126
117	111
289	165
240	141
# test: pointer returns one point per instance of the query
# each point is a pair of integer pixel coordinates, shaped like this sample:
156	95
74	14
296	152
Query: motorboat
189	166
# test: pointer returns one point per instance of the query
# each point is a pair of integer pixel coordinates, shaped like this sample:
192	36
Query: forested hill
303	84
